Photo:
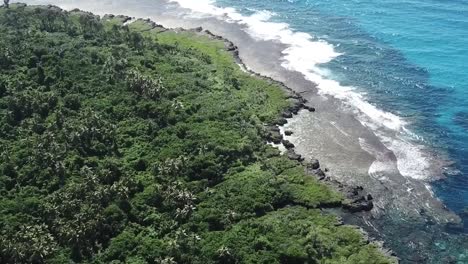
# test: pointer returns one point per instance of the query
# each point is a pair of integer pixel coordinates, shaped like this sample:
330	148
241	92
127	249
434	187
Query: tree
7	3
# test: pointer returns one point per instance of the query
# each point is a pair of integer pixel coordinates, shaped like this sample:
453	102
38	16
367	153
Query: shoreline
360	201
235	52
360	213
284	102
357	199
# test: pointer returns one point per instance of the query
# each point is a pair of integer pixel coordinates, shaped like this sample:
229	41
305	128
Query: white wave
306	54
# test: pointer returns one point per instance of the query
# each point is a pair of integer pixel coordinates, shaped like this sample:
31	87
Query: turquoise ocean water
407	57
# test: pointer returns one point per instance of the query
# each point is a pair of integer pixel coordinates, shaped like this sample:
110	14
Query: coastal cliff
131	143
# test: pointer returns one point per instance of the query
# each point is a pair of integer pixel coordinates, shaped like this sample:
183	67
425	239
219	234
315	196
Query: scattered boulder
281	121
294	156
293	95
273	128
231	47
313	164
287	144
320	174
358	199
288	132
275	136
359	205
297	105
309	108
313	168
287	114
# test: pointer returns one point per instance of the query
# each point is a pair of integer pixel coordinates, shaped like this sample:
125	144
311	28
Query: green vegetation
126	144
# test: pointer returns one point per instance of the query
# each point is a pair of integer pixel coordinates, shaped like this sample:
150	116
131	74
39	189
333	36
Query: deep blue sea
408	58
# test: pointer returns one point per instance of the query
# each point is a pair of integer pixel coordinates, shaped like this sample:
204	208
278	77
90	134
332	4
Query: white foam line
306	54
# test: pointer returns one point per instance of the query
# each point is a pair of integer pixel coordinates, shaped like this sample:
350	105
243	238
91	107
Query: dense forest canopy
133	144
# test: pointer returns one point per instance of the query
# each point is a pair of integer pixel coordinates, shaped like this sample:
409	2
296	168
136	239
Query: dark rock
287	114
198	29
320	174
313	164
125	19
288	132
296	107
281	121
369	197
287	144
359	205
273	128
311	109
326	170
231	47
294	156
275	137
293	95
209	33
356	190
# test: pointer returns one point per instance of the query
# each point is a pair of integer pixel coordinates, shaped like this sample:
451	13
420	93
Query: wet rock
313	164
358	199
287	114
287	144
313	168
209	33
231	47
356	190
293	95
281	121
309	108
273	128
297	105
359	205
275	136
288	132
294	156
198	29
320	174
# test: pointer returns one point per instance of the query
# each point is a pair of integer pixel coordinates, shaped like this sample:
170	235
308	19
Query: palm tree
7	3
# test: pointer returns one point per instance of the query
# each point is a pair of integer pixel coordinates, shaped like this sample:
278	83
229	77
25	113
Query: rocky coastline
359	202
357	199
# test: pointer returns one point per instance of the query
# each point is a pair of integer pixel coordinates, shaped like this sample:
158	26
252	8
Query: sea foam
307	54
